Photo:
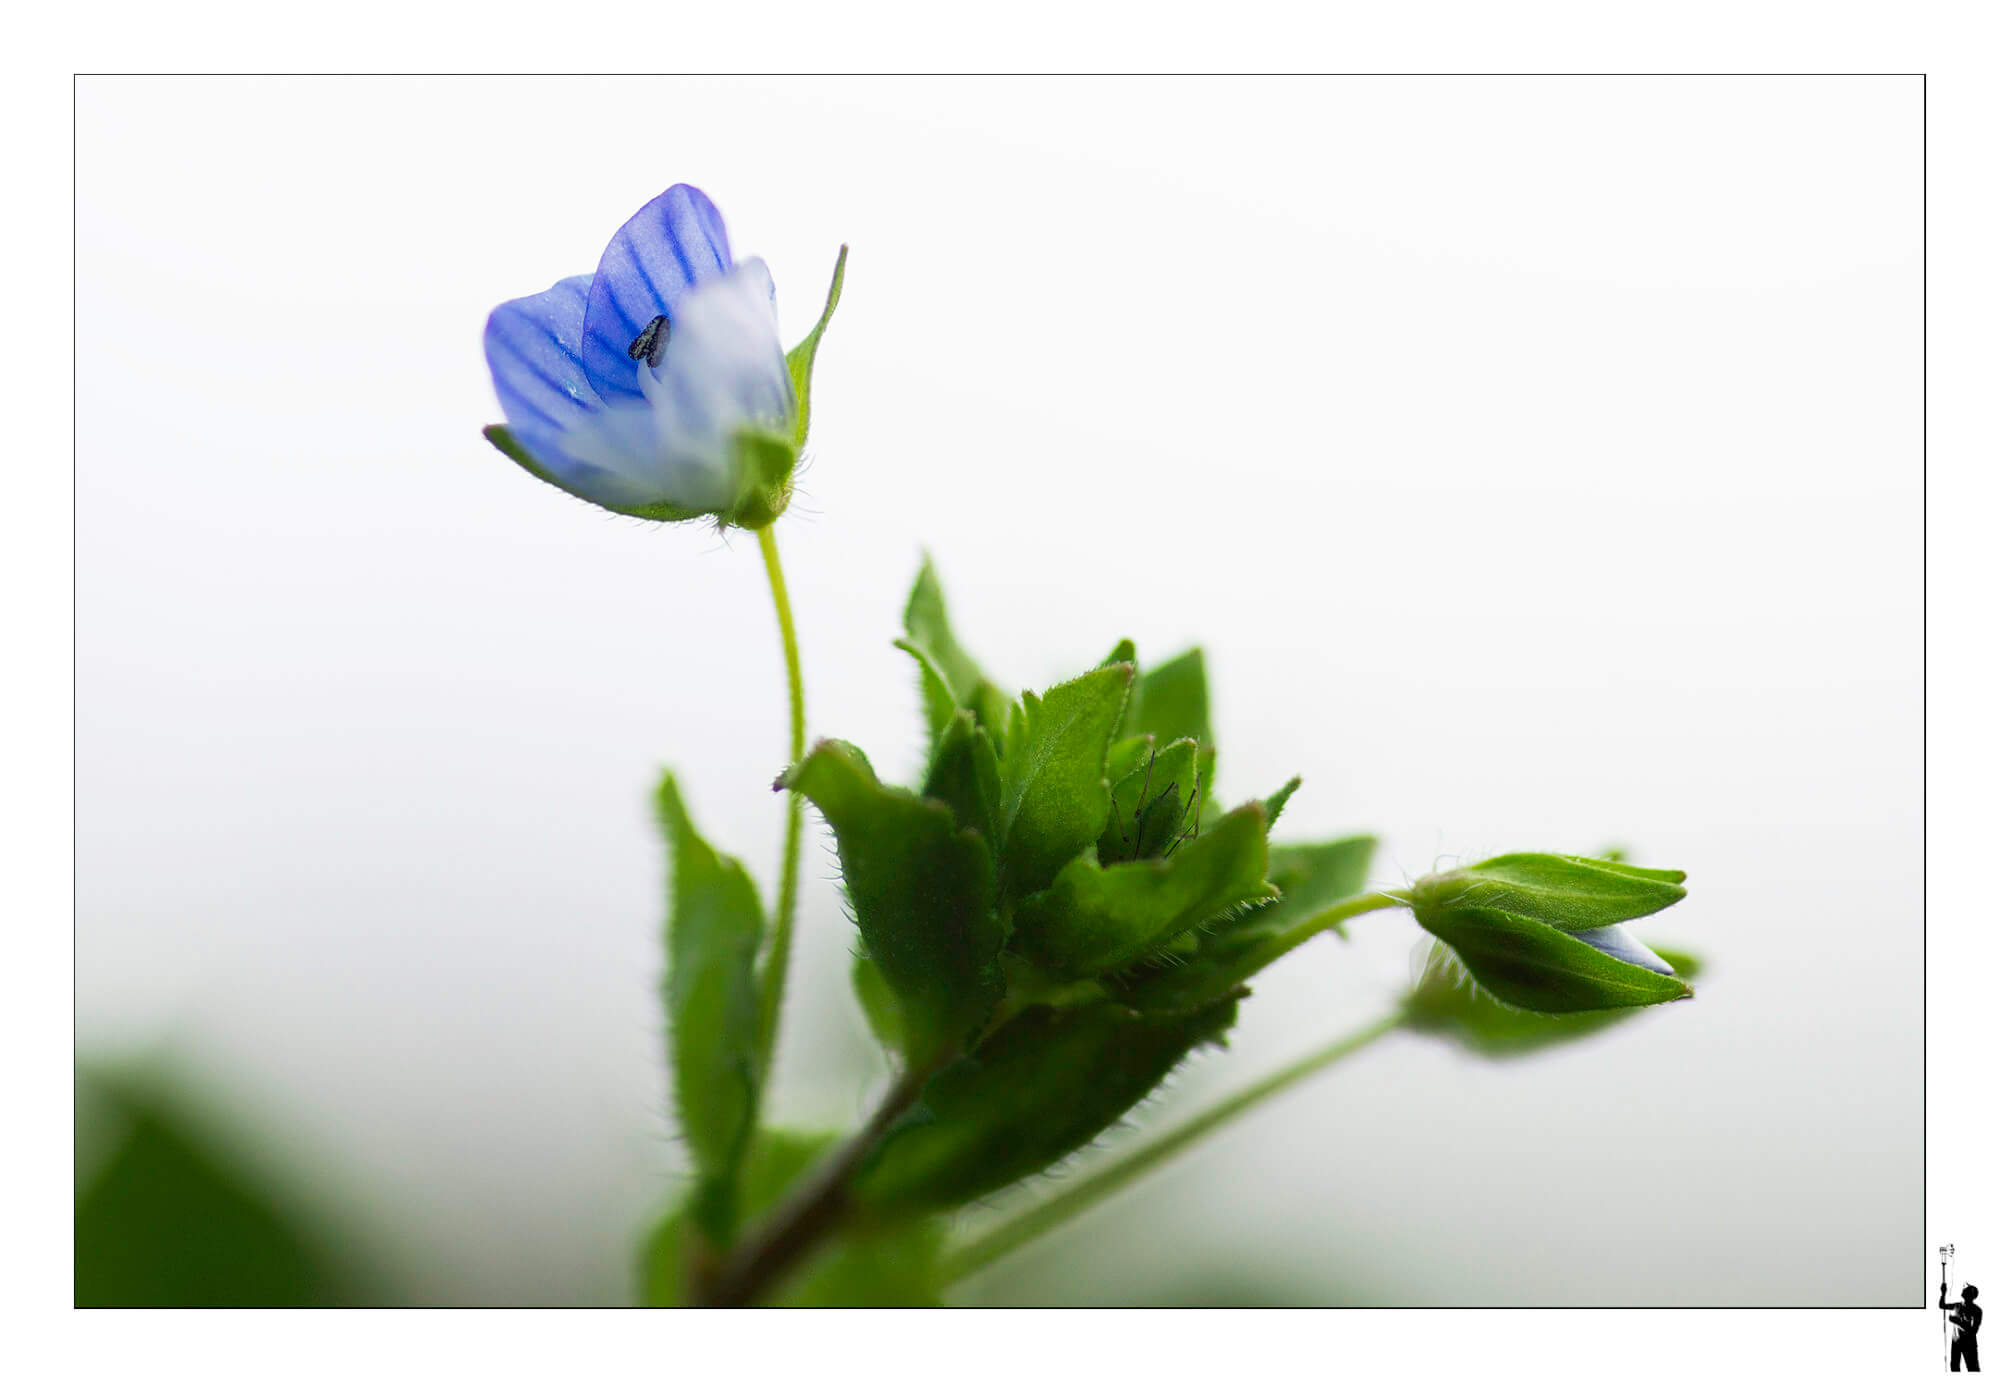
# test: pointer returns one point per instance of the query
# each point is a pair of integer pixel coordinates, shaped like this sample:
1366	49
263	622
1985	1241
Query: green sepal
929	638
1567	892
1445	1001
1099	918
1309	879
503	439
922	891
1150	803
965	775
799	359
764	465
1054	797
1170	702
1532	965
1038	1089
1274	805
715	926
868	1264
763	460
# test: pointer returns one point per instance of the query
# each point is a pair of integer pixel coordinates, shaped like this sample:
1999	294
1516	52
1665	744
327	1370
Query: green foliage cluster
1049	920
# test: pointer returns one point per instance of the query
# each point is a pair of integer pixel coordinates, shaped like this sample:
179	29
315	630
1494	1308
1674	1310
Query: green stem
772	984
1307	928
1080	1195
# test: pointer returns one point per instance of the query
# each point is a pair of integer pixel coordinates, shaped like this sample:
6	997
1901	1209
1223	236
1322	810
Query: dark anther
651	344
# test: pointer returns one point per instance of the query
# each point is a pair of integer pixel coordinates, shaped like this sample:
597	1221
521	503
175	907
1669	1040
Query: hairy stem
1082	1194
772	981
811	1213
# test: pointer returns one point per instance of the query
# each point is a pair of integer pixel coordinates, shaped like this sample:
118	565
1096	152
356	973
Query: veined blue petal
532	349
670	245
1618	942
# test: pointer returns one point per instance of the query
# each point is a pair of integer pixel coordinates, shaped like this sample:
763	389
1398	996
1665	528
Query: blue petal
1619	943
671	244
532	349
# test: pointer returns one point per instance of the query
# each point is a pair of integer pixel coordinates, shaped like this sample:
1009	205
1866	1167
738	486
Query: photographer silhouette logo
1961	1318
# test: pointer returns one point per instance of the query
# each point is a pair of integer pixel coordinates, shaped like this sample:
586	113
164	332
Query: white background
1539	462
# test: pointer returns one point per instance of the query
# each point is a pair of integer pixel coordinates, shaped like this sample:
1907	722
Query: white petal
1619	943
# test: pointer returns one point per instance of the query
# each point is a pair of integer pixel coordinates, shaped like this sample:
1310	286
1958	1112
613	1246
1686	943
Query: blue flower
657	386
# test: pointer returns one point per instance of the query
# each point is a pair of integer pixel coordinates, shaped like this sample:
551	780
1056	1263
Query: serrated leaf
928	634
799	359
715	926
1041	1087
1054	799
1099	918
922	891
867	1265
965	776
1309	878
1446	1001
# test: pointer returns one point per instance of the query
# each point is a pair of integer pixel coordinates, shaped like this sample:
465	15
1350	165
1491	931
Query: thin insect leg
1194	810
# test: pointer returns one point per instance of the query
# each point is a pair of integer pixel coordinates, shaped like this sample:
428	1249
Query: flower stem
772	981
812	1212
1307	928
1081	1195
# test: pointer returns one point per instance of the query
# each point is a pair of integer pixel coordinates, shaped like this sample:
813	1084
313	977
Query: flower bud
1546	932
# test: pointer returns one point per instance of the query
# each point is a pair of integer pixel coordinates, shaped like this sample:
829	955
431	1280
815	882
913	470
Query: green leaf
1098	918
1036	1091
799	359
922	892
1567	892
939	705
965	775
1531	965
1309	878
869	1264
715	926
1170	702
1149	804
929	638
1054	799
166	1220
878	1003
1447	1002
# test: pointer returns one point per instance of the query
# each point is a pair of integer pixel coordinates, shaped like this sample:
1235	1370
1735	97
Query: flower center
650	345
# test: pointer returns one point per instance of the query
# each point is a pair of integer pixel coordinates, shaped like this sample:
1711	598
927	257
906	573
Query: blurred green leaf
168	1221
922	891
1170	702
868	1265
1038	1089
715	925
1447	1002
1098	918
1054	799
878	1003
